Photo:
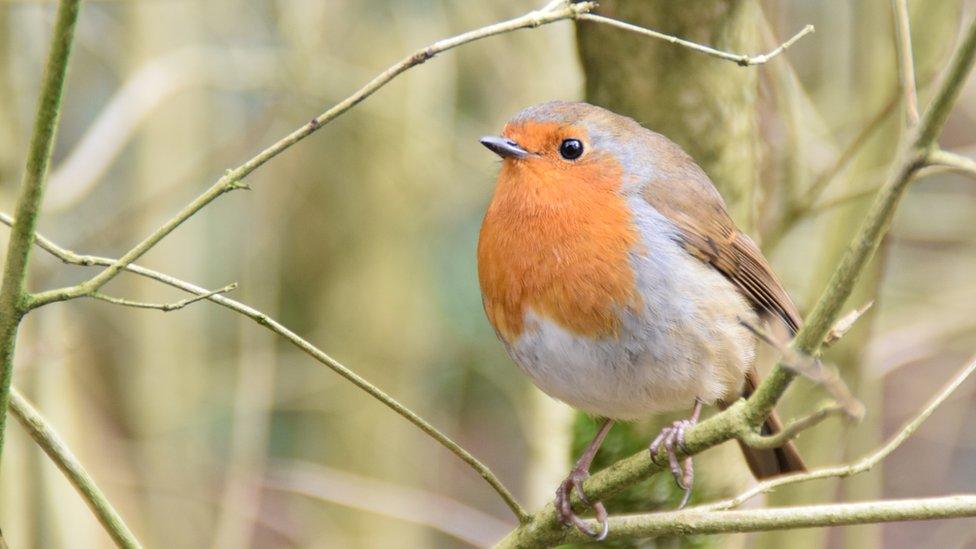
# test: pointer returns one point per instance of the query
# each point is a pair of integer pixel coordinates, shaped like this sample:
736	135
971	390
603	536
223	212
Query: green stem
54	447
13	292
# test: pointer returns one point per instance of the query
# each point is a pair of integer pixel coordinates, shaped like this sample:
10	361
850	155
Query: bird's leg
673	437
577	475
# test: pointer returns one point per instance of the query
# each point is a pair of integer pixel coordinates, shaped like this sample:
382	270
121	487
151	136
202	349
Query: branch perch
742	60
783	518
165	307
865	463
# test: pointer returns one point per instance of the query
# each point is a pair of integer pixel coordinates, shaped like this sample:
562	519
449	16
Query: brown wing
686	196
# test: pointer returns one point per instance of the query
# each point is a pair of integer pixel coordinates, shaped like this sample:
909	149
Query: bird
615	278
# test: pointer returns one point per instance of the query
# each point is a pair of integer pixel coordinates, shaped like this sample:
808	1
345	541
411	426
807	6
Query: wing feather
688	199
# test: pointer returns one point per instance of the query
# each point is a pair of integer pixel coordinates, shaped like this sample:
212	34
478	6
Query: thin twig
952	161
765	442
739	59
73	258
689	523
165	307
861	465
13	291
61	455
906	63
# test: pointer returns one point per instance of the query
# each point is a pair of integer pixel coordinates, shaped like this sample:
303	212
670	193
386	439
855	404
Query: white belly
686	340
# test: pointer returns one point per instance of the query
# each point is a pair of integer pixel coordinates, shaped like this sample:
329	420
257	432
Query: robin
614	276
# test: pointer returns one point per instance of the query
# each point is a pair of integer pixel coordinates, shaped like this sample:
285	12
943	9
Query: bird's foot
564	507
672	438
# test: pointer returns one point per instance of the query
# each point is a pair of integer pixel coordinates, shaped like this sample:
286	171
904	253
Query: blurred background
206	430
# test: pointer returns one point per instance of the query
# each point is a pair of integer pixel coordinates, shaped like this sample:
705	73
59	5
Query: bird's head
561	147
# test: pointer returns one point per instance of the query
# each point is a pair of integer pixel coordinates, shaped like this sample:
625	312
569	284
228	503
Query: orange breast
556	239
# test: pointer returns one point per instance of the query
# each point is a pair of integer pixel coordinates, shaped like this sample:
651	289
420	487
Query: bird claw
673	438
564	507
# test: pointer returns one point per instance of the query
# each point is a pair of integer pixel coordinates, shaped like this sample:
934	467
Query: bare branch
755	440
952	161
61	455
688	522
906	63
739	59
165	307
73	258
863	464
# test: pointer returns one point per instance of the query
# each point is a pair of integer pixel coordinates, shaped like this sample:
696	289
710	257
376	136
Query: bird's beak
505	148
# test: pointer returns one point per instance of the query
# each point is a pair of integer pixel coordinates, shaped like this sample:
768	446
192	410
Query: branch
687	523
865	463
906	64
13	291
754	440
952	161
739	59
61	455
73	258
233	178
165	307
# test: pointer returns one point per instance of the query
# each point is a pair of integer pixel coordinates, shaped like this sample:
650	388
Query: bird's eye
571	149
